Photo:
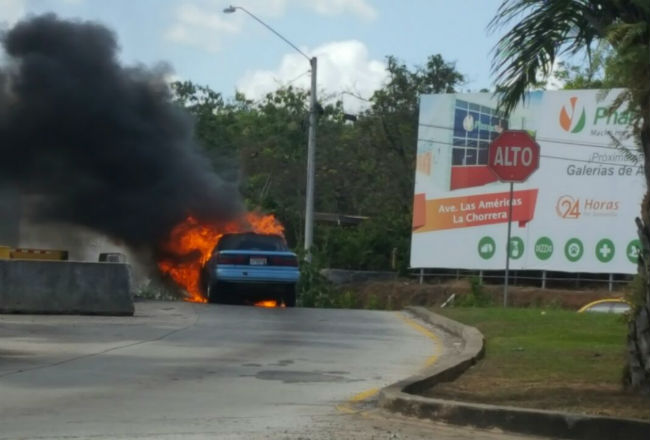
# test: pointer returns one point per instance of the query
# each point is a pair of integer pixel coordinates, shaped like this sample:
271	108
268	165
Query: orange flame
267	303
190	245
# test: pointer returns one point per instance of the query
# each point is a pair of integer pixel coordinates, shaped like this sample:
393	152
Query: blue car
249	267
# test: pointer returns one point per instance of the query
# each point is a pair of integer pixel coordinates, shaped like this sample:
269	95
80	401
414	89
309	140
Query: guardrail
39	254
538	278
7	253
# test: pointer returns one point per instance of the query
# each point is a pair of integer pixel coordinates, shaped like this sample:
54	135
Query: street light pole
311	163
311	142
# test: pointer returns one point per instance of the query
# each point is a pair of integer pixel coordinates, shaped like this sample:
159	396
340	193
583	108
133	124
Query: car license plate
257	261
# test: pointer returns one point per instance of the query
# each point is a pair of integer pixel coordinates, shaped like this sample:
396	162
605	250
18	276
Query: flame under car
251	267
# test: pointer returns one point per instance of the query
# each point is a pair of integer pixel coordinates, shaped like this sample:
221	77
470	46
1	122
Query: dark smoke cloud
101	143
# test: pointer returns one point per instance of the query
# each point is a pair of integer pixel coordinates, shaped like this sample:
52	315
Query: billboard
574	214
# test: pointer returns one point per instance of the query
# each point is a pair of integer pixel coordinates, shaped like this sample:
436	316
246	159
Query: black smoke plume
102	145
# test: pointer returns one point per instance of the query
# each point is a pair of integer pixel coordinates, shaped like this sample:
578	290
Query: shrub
314	290
477	296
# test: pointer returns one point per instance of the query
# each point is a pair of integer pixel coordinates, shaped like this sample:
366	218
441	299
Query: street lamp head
229	10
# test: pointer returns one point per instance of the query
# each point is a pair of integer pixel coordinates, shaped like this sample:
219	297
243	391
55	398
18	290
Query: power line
568	159
298	77
544	139
590	161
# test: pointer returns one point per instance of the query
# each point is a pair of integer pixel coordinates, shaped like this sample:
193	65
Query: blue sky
229	52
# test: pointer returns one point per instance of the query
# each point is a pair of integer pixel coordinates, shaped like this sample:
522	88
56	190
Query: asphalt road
180	370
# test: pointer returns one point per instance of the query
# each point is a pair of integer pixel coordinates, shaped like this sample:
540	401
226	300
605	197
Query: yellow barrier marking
363	395
426	332
346	407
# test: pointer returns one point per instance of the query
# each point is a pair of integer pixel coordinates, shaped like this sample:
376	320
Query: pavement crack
108	350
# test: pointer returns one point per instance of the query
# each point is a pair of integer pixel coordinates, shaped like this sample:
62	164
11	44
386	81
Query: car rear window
253	242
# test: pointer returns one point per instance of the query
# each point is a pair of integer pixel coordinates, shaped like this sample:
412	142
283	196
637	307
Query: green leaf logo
581	123
568	118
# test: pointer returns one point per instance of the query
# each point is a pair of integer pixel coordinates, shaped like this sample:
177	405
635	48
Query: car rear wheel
289	296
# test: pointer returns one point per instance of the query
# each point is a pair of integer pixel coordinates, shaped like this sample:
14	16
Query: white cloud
201	27
554	83
360	8
342	67
11	11
171	77
202	23
266	8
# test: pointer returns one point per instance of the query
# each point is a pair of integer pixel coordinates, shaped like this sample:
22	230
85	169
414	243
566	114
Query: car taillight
284	261
232	259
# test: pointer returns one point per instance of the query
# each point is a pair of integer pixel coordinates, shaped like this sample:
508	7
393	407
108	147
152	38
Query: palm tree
541	30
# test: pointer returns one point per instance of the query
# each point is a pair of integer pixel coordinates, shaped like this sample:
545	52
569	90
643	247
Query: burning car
251	266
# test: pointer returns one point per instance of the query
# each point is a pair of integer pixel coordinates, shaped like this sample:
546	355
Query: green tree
595	72
365	168
540	31
374	161
258	144
272	139
395	108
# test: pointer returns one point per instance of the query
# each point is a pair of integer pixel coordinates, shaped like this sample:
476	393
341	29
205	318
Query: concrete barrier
65	287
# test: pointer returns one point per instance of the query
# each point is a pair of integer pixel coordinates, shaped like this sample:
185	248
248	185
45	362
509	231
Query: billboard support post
505	283
543	279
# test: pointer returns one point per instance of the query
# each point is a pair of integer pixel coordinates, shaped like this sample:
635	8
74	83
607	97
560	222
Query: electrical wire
298	77
590	161
543	139
568	159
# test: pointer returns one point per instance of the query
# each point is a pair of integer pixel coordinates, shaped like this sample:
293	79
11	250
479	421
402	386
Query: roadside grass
547	359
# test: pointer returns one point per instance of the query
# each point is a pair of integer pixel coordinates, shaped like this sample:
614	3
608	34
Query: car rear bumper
257	275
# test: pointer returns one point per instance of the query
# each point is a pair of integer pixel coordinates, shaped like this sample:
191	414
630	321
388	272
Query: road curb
402	397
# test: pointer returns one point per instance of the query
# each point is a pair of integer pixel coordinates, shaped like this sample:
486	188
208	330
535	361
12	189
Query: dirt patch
396	294
589	398
525	296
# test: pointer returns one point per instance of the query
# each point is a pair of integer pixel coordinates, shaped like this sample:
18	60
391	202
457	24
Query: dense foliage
363	168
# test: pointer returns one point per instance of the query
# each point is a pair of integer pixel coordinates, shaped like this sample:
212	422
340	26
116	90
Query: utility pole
311	140
311	163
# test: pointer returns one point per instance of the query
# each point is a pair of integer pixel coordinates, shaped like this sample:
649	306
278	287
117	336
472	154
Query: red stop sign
513	156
